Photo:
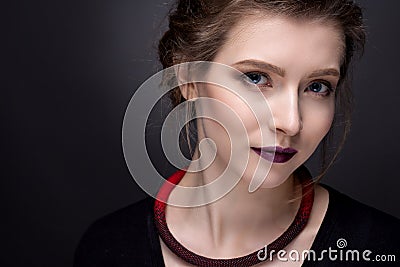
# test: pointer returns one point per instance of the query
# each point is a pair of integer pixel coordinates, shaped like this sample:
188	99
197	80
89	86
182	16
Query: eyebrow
324	72
281	72
261	65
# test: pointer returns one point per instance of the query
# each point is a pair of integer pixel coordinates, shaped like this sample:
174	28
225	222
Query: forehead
284	42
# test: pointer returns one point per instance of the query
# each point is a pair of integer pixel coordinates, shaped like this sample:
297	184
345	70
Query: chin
274	180
278	174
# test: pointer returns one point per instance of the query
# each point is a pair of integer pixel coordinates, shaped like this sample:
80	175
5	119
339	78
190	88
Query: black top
128	237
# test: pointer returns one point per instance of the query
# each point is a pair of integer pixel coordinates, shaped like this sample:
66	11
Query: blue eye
257	79
320	88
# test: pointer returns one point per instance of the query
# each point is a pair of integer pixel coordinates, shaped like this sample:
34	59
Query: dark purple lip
281	155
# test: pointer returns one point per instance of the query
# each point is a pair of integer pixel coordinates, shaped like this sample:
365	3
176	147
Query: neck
241	215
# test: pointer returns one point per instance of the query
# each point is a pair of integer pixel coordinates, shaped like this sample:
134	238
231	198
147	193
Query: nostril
280	130
289	128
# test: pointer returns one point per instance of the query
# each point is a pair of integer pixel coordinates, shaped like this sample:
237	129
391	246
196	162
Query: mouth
275	154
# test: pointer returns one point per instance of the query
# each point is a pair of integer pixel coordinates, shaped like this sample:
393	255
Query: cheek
240	112
317	120
223	121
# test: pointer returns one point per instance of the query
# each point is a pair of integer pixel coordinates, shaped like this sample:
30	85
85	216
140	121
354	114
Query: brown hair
197	28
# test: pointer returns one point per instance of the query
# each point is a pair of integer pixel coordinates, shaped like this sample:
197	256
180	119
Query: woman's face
296	66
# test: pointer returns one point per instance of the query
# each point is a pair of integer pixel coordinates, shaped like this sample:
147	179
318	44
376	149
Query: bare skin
245	244
243	222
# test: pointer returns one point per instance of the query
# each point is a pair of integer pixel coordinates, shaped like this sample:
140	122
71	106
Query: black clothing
128	237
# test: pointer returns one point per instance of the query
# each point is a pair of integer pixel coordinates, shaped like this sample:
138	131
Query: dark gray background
69	71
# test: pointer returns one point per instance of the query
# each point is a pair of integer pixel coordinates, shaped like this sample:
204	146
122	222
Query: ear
187	88
189	91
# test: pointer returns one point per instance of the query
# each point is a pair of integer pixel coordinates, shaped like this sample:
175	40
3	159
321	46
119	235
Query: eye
320	88
257	78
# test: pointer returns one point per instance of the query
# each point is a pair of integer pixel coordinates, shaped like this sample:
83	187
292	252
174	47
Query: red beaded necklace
251	259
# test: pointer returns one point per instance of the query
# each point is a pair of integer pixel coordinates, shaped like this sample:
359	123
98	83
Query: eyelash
327	84
247	80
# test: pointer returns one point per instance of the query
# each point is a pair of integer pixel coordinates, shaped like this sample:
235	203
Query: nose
286	113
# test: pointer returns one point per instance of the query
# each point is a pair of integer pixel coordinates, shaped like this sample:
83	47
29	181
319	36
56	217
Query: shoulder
347	209
362	226
129	220
126	218
126	235
354	234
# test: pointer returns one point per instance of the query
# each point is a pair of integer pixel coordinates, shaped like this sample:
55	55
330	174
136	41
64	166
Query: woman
297	55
